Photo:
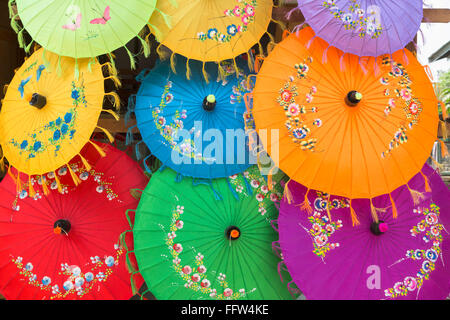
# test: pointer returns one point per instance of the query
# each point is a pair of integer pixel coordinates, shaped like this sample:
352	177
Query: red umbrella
66	245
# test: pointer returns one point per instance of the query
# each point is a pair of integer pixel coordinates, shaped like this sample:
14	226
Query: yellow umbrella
46	119
212	30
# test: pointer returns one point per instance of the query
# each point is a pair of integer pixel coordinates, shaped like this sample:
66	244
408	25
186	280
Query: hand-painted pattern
429	229
366	23
79	281
289	99
245	11
194	273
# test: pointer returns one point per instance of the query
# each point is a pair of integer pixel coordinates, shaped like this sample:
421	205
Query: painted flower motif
262	210
413	108
286	95
46	281
205	283
100	189
24	144
195	277
317	123
309	98
75	95
179	224
274	197
391	102
212	33
89	276
260	197
178	247
232	29
410	283
227	292
187	270
109	261
176	261
254	183
347	18
37	145
201	269
293	109
161	121
68	285
169	98
431	218
320	240
23	194
396	70
168	130
431	255
236	11
264	189
249	10
300	133
84	175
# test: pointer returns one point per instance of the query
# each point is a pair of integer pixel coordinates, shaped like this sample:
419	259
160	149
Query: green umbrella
81	28
208	240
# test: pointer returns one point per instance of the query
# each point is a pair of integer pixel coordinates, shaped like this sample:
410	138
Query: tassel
287	192
132	60
115	96
427	185
2	163
305	205
112	71
353	214
236	68
188	70
75	178
129	137
443	129
328	207
172	62
394	208
18	182
98	148
269	178
145	46
58	183
250	64
44	185
107	133
115	115
416	195
373	211
258	62
444	150
31	191
28	48
116	80
86	164
444	110
205	74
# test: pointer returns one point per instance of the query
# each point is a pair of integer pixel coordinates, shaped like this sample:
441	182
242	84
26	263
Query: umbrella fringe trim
131	106
444	149
287	192
198	181
116	99
394	207
417	196
99	149
233	192
111	112
75	178
443	126
137	150
86	164
130	136
107	133
306	205
353	215
425	179
373	211
293	291
147	169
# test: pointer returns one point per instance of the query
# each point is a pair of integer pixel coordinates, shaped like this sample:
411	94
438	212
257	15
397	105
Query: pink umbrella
406	257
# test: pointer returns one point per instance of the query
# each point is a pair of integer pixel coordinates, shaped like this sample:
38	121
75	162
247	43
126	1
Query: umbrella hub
233	233
38	101
61	226
353	98
378	228
209	103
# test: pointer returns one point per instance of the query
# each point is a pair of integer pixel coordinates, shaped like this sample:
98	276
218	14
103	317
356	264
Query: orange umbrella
342	129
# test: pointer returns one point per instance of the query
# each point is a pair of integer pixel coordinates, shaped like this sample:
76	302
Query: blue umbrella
193	126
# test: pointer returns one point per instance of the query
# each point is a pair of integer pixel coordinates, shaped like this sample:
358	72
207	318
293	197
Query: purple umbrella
407	257
364	27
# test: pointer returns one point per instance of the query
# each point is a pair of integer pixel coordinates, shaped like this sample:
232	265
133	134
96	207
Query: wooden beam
437	15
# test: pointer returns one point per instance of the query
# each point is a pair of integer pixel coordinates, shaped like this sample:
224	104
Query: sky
435	36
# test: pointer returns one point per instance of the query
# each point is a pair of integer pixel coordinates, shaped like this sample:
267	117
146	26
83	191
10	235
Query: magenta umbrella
407	257
364	27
